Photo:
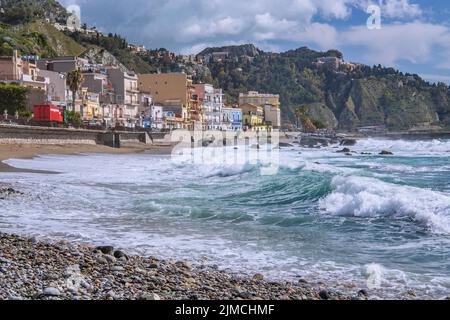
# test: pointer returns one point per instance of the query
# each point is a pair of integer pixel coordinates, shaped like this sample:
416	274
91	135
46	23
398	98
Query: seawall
63	136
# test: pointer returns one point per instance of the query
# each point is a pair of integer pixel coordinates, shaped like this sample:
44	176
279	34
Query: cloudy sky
414	34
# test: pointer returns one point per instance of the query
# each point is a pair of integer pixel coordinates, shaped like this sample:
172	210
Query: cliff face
383	102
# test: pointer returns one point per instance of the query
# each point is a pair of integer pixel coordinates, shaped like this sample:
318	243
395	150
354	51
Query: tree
74	80
300	114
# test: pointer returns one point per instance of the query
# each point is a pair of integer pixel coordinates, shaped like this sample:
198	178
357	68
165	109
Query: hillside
24	11
343	98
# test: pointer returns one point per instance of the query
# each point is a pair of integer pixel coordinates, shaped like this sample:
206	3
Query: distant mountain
342	95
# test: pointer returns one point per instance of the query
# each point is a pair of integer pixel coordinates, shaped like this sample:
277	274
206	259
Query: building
272	116
211	100
157	117
62	64
171	90
87	104
252	116
21	70
270	103
231	119
97	82
56	90
126	89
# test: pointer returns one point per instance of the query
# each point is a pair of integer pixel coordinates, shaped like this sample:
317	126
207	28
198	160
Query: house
272	116
252	116
332	63
21	70
97	81
270	103
231	119
62	64
87	104
126	89
157	117
211	100
170	89
56	89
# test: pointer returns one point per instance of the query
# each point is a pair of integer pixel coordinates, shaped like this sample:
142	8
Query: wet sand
27	151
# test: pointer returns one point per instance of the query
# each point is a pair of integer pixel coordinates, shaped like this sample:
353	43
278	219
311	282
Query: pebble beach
34	270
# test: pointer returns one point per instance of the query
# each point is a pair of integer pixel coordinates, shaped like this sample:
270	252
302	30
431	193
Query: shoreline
29	151
34	270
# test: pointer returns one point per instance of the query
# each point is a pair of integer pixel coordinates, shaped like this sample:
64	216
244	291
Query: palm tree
300	114
74	80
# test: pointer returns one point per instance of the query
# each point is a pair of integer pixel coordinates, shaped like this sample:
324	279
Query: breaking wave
369	197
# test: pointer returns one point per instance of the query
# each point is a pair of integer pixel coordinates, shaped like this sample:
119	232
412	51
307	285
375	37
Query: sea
350	221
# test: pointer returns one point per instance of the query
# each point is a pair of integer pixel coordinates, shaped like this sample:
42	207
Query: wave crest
368	197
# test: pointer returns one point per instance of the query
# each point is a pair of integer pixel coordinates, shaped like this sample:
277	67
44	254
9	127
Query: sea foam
369	197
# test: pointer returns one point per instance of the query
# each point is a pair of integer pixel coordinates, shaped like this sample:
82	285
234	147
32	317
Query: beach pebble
53	292
149	296
109	258
258	277
324	294
106	249
119	254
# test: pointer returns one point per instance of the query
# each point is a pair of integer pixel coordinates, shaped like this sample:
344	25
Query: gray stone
106	249
150	296
109	258
258	277
52	292
324	294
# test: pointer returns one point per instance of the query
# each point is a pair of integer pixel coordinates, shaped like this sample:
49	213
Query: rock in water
345	150
386	153
285	145
348	142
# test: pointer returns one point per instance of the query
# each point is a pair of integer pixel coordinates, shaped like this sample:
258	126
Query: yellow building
252	116
269	102
170	89
259	99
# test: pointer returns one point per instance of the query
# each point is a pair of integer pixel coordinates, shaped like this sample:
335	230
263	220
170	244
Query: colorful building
171	89
231	119
269	102
127	94
211	100
252	116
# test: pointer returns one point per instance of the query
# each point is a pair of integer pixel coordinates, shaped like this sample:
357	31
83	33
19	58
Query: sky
410	35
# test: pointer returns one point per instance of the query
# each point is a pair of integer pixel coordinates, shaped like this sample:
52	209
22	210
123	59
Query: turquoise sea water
364	221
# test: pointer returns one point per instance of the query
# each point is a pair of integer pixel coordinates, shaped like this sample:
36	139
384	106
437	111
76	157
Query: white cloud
393	8
416	42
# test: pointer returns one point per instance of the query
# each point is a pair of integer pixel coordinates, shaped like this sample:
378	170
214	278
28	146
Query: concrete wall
41	135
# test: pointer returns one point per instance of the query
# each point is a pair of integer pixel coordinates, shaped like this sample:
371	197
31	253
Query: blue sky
414	35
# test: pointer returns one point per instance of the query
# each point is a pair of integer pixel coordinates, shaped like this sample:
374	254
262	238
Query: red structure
48	113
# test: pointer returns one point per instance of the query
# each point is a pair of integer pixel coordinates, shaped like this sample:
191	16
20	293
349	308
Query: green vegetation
74	118
24	11
74	81
115	45
12	98
37	38
344	98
